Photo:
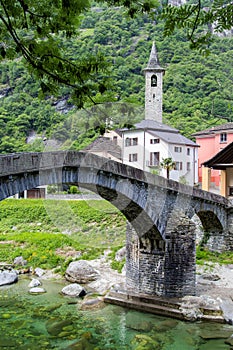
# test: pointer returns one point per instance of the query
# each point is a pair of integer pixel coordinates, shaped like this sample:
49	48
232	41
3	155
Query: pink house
211	141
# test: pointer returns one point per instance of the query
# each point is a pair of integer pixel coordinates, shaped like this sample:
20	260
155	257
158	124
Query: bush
74	190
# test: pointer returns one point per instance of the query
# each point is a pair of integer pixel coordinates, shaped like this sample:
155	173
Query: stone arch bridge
160	236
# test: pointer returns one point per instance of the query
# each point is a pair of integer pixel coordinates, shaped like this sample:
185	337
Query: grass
204	255
46	232
50	233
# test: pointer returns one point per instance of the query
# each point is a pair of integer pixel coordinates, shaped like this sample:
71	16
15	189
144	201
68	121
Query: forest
197	90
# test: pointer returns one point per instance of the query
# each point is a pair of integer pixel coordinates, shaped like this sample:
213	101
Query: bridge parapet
16	163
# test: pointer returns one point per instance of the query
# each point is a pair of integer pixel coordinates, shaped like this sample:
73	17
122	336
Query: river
52	321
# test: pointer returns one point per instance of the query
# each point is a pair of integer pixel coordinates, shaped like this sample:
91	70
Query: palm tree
168	164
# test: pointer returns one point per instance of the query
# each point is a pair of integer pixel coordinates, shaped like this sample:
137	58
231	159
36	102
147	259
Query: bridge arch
161	259
210	221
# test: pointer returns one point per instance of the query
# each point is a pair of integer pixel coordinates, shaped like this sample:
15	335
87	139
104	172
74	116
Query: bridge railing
16	163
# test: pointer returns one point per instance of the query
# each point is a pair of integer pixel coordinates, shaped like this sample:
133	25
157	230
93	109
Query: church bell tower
153	87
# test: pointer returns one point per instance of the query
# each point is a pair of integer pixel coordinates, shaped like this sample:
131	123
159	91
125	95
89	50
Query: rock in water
37	290
80	272
34	283
8	277
39	272
74	290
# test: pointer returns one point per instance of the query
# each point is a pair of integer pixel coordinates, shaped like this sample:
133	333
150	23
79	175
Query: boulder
39	272
8	277
34	283
210	277
92	304
194	307
120	254
37	290
55	327
81	272
74	290
19	260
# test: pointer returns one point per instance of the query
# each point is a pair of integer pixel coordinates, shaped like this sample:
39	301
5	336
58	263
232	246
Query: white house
151	141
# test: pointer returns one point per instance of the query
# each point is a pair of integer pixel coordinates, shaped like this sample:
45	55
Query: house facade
150	141
212	141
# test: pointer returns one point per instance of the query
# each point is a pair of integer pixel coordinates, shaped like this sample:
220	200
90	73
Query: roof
154	125
221	160
104	144
215	129
171	137
153	63
163	131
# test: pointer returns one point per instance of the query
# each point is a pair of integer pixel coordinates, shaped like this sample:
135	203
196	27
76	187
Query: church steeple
154	87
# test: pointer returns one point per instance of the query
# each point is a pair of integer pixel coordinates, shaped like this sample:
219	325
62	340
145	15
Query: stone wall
170	268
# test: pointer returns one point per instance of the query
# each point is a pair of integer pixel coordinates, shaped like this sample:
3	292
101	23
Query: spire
153	62
153	87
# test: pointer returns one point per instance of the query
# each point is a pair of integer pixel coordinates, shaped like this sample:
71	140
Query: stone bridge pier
164	268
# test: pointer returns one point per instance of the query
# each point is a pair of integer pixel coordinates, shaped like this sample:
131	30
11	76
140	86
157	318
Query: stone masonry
160	234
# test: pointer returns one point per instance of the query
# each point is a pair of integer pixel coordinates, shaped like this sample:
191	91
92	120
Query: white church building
150	141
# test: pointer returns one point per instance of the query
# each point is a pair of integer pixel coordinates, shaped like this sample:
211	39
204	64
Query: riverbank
50	234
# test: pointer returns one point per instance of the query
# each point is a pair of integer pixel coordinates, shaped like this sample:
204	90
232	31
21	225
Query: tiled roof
171	137
104	144
214	129
154	125
163	131
153	62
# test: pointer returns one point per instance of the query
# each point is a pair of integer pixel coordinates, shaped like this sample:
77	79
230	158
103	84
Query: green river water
52	321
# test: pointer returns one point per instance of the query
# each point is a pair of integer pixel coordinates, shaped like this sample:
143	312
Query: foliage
118	265
168	164
74	190
31	28
200	19
203	254
197	90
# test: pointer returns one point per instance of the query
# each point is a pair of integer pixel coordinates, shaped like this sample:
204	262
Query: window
154	158
127	141
223	137
179	166
188	166
154	141
154	80
188	151
131	141
133	157
114	140
178	149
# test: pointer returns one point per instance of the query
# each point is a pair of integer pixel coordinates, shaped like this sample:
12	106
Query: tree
30	28
168	164
200	20
37	29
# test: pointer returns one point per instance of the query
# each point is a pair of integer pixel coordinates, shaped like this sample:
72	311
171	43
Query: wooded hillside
197	89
